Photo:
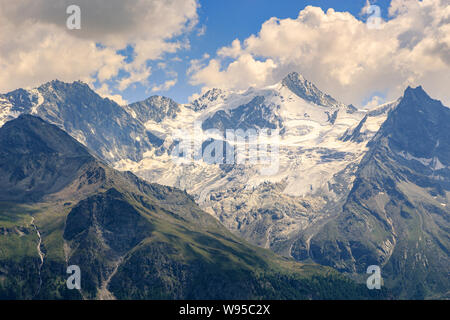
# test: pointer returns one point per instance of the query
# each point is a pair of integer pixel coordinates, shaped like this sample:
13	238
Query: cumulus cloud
341	54
36	46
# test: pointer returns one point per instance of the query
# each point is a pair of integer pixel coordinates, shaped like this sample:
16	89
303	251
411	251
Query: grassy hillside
131	239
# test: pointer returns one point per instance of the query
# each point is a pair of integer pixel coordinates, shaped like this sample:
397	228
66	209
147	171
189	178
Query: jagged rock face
355	134
35	159
100	124
338	200
308	91
206	99
316	168
254	115
419	126
397	214
130	239
101	229
155	108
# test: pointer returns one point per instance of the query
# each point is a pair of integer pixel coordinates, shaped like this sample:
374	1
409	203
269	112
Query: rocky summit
130	239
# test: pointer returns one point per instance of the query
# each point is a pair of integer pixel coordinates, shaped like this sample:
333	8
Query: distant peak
308	91
214	92
54	82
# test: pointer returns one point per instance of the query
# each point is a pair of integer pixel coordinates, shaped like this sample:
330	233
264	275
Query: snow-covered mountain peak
99	123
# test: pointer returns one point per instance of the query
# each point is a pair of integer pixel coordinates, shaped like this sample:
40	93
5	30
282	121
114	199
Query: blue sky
225	21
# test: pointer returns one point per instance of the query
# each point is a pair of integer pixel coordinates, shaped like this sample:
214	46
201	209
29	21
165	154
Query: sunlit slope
131	239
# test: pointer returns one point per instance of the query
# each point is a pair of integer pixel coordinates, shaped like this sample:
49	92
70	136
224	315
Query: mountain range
130	239
352	187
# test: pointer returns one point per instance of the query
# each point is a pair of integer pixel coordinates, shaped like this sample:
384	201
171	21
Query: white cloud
165	86
341	54
36	46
